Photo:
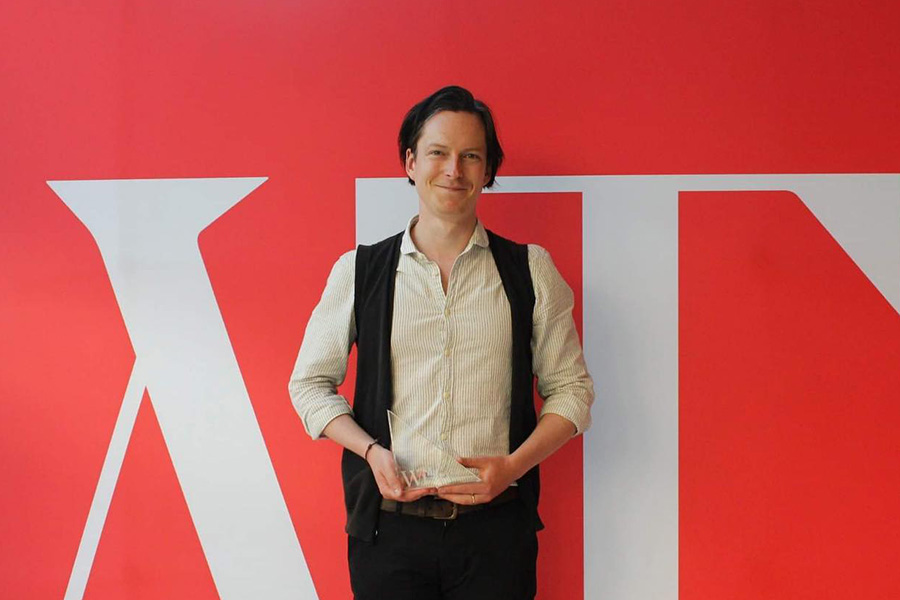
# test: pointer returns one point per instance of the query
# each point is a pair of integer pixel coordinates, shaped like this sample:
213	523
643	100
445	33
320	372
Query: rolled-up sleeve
322	361
558	361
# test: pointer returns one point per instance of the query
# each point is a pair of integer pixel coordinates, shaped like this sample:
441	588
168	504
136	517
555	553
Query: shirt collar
407	246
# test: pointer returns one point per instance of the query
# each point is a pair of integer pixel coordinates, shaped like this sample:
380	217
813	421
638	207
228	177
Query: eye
435	153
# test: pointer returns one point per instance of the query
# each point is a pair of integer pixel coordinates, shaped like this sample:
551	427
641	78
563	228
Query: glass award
422	463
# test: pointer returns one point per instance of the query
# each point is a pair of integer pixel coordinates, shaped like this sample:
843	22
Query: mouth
452	189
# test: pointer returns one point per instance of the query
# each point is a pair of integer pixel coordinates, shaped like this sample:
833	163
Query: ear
410	164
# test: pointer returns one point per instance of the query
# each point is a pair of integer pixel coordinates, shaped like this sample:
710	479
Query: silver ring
473	498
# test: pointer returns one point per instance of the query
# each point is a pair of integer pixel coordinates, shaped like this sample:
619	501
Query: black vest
376	269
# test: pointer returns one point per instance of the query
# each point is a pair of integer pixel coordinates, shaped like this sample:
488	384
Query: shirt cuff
578	413
317	420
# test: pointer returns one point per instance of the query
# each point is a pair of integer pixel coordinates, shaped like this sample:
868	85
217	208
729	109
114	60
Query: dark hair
456	99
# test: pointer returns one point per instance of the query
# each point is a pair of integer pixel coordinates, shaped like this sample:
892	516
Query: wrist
514	463
369	449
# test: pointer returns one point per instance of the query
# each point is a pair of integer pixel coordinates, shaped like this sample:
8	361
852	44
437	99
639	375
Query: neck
440	239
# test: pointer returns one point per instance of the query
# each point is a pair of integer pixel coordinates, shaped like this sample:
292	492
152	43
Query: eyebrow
436	145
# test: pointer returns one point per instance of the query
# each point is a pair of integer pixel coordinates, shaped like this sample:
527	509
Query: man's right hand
346	432
381	461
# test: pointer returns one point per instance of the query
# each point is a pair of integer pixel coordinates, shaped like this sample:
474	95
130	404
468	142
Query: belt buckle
453	514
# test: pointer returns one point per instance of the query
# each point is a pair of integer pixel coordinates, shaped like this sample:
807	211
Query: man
451	324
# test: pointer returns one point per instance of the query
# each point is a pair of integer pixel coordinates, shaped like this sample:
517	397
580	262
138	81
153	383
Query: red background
310	94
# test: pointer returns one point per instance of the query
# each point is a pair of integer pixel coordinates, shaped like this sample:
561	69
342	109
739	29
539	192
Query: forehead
451	128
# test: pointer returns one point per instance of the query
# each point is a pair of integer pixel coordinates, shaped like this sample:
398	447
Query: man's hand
496	473
381	461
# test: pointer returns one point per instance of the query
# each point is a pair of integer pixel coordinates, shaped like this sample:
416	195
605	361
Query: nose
451	167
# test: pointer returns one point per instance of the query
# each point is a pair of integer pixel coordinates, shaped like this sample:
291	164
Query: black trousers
489	554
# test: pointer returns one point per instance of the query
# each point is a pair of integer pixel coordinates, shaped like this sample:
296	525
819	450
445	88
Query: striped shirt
450	352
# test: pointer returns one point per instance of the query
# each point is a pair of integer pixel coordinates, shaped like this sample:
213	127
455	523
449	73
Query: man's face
449	165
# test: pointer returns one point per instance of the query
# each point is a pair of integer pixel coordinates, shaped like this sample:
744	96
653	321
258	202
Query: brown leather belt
438	508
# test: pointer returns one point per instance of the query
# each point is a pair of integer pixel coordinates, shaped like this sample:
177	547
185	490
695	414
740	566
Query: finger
385	490
392	481
471	461
476	466
412	495
464	488
464	498
388	483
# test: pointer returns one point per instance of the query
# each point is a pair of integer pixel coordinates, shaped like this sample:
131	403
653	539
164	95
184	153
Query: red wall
310	94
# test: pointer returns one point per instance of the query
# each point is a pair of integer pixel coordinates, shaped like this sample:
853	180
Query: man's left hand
496	473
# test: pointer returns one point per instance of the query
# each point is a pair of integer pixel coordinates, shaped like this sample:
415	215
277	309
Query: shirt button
446	312
447	352
446	395
445	436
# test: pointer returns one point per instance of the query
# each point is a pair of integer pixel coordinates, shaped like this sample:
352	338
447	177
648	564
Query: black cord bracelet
369	447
